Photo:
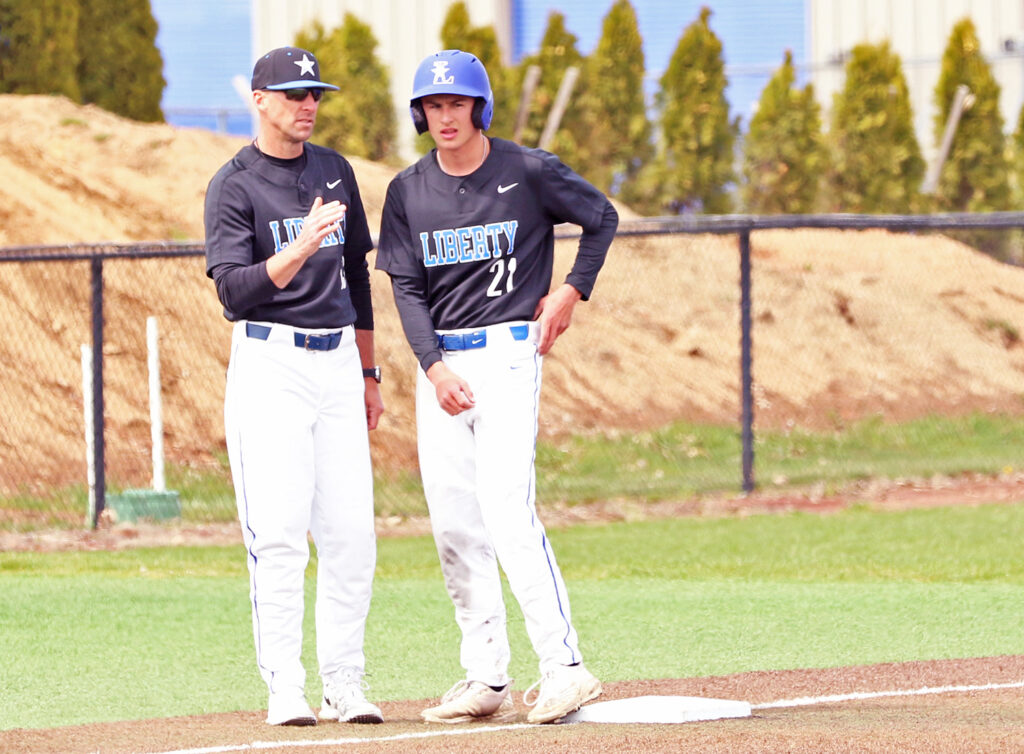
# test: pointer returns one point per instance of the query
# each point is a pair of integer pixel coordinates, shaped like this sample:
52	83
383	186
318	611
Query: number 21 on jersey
503	269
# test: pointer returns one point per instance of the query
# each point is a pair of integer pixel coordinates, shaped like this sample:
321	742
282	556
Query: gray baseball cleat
472	700
562	690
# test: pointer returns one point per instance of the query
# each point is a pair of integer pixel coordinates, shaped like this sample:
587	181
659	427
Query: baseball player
467	239
286	244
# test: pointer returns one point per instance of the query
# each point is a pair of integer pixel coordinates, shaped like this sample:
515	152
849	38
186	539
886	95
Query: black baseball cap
288	68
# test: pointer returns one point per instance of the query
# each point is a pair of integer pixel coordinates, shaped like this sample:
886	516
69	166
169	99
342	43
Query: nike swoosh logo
503	189
332	184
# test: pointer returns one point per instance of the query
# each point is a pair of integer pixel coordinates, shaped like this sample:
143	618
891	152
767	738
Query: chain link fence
719	354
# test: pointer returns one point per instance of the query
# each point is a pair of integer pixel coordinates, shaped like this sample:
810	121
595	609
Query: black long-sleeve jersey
255	206
476	250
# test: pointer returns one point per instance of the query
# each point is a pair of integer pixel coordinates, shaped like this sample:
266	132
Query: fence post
746	365
87	415
99	451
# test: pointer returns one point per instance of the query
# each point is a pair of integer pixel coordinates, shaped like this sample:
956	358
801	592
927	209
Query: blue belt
467	341
309	341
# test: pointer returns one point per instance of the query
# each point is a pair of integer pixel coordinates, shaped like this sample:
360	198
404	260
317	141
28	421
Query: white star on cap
305	65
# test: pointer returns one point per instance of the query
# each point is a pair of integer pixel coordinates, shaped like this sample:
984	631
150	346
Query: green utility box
131	505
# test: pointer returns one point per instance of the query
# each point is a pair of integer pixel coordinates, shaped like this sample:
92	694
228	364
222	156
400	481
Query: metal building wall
918	31
406	30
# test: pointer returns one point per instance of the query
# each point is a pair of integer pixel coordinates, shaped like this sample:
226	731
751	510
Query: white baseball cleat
345	700
562	690
472	700
289	707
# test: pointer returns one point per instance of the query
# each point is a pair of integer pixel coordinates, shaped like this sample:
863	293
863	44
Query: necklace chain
483	158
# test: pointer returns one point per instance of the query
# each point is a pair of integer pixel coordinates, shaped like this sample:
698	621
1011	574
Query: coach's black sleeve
230	257
357	243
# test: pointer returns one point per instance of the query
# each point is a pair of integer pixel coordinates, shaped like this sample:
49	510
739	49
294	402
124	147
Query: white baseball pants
297	441
478	478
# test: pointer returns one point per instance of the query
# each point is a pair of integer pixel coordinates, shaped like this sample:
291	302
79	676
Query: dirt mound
846	323
74	174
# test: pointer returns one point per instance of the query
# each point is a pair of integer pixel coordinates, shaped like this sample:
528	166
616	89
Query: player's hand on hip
555	314
453	393
374	404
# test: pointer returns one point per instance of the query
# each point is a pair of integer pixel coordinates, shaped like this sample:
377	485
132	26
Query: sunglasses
300	94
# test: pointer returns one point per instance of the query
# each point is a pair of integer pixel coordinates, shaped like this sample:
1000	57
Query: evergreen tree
1013	249
876	161
974	175
120	67
693	168
618	132
1018	160
482	41
783	154
39	47
556	55
359	119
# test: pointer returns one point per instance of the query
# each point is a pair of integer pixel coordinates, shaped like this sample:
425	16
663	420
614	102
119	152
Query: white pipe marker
156	420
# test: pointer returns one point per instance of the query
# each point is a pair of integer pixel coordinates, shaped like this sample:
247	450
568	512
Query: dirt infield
974	705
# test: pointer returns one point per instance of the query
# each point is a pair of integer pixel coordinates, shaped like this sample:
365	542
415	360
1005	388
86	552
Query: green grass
161	632
682	460
675	462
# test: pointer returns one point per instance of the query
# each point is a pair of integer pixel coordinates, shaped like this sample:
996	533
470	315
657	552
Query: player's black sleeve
567	197
408	280
593	249
416	321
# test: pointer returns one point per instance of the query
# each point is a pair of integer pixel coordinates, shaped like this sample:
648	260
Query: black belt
467	341
309	341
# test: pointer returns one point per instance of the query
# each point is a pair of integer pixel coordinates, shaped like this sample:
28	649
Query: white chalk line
805	701
809	700
257	745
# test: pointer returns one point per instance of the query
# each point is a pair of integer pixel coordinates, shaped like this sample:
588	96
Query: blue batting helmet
452	72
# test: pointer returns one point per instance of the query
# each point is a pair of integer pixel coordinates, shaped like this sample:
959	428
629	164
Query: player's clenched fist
453	393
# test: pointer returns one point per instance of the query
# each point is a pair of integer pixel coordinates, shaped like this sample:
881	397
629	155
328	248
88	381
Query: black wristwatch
372	372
